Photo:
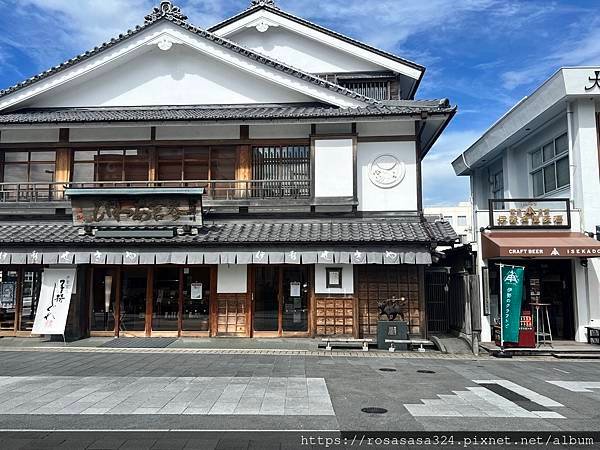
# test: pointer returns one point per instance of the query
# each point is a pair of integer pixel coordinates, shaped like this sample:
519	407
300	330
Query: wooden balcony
225	193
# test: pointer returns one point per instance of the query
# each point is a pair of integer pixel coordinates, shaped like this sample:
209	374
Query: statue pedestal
388	329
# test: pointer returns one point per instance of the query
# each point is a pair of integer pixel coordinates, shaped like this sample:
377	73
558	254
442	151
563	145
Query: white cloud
441	186
579	45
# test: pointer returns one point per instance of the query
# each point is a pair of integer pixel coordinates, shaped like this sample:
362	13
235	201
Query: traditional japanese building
260	178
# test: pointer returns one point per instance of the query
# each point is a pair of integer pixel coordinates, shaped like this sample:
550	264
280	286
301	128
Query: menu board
7	295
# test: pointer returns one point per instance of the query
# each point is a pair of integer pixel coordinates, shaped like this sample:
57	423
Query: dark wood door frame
280	303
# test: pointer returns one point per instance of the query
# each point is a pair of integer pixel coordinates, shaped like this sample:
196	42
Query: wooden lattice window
375	89
376	283
231	314
335	316
283	170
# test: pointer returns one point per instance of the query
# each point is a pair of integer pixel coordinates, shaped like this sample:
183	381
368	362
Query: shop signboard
54	301
511	298
530	214
136	207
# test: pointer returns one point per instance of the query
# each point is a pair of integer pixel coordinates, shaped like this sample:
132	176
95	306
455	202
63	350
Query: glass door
295	300
103	305
133	300
281	300
165	306
266	300
196	300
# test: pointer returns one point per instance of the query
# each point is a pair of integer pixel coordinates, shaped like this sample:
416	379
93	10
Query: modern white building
459	216
535	182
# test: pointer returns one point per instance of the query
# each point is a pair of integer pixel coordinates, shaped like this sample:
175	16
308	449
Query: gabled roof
271	7
223	113
173	14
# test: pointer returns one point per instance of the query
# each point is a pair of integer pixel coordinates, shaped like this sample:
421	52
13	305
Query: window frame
546	164
27	163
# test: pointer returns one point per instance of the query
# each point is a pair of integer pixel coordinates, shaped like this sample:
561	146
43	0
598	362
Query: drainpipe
572	166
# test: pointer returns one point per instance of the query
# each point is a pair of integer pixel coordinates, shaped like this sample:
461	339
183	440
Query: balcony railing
225	190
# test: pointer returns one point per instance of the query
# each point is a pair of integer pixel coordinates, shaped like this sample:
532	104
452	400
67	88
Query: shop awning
108	256
541	244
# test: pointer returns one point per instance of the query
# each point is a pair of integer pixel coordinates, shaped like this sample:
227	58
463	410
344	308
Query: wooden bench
364	343
409	342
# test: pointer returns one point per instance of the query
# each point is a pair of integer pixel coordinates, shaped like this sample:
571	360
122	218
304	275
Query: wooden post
63	165
243	170
180	313
149	299
117	307
213	305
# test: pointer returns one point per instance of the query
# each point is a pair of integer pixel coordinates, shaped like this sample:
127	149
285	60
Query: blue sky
485	55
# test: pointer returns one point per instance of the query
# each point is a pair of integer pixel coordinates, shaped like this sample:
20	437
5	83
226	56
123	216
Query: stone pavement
114	395
281	396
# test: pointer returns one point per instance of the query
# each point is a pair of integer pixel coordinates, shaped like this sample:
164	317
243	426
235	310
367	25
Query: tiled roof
219	112
230	45
280	12
383	231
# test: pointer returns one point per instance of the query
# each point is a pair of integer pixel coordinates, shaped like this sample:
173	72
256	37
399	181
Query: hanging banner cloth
54	302
512	296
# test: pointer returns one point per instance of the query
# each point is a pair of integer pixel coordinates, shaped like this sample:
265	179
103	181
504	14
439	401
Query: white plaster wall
396	128
587	171
181	76
232	279
301	52
399	198
280	131
110	134
198	132
30	135
334	168
321	279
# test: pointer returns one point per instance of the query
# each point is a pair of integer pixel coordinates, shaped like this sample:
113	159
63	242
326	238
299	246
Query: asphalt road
168	400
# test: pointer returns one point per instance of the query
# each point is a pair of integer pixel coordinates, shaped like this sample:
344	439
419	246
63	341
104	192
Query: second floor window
28	167
168	164
462	221
281	170
550	166
498	185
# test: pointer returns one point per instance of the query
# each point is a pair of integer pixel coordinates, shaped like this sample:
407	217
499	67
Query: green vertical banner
512	295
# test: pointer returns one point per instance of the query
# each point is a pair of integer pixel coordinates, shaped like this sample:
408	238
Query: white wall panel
110	134
372	197
321	279
180	76
30	135
301	52
232	279
334	168
198	132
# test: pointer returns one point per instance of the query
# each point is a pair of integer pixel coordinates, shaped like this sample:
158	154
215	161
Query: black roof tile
214	113
278	233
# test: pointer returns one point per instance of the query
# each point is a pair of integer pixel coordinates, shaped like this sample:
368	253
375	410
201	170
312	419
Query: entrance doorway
150	301
546	281
281	301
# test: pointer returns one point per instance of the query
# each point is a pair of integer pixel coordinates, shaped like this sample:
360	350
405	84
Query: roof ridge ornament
165	9
256	3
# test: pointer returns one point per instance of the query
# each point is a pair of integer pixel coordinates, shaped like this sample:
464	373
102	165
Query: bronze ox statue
392	308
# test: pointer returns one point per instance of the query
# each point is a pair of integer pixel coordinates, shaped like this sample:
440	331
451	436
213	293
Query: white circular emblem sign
386	171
